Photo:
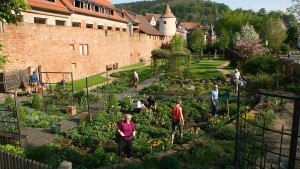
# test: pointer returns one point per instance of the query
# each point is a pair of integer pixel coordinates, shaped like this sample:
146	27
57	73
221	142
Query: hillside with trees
202	11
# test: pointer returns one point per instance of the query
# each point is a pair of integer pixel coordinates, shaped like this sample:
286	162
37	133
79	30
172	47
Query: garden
211	138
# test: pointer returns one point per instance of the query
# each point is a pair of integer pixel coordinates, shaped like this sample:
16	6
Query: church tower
167	23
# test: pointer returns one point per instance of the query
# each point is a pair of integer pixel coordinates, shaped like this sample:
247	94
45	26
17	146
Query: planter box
71	110
84	116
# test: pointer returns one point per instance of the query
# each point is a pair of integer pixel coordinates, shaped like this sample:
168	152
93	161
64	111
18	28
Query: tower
167	23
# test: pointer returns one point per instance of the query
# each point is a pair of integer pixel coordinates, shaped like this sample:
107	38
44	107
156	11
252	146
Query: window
165	22
111	12
117	29
102	9
88	6
88	25
124	29
123	15
51	0
83	49
19	18
109	28
40	20
97	8
72	47
78	4
100	26
60	23
74	66
76	24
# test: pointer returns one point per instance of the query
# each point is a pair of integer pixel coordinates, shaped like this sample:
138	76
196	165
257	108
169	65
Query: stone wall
57	48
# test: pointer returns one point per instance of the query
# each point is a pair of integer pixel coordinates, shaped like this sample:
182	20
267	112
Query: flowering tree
247	43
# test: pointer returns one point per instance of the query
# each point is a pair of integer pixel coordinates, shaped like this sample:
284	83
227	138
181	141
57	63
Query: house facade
78	36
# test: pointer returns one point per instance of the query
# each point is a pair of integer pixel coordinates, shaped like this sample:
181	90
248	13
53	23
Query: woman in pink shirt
126	130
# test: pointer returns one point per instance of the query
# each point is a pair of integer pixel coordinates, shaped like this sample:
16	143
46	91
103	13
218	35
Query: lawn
133	65
92	80
207	68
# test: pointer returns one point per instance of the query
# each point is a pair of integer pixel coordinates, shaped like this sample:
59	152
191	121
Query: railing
271	146
12	161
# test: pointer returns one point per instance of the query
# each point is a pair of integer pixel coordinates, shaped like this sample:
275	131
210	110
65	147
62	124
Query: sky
244	4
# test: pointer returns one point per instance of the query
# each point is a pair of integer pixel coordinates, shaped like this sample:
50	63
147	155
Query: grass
92	80
133	65
207	68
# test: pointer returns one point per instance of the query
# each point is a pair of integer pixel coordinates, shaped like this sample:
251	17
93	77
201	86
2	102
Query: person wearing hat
34	81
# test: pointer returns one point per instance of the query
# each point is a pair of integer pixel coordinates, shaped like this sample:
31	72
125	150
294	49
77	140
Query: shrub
221	77
226	132
13	149
261	64
169	162
262	81
37	102
9	103
133	166
79	95
22	116
285	48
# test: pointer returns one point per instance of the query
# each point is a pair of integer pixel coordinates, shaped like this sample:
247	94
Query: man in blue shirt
214	99
34	80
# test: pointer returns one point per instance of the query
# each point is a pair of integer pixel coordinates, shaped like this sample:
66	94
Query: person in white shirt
135	79
236	79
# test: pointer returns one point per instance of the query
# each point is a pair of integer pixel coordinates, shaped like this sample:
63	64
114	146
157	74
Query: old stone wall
82	51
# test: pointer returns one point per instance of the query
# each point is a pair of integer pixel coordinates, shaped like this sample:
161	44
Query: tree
197	41
248	43
295	7
178	42
3	58
273	31
224	40
10	8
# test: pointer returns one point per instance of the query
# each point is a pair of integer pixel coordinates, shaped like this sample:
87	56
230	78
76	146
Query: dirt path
222	70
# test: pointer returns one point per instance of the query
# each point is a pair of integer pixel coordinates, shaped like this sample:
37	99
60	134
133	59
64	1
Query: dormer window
51	0
123	15
102	9
111	12
88	6
97	8
78	4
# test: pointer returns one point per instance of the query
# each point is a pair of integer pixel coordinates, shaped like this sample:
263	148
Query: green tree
295	7
178	43
224	40
197	41
10	8
273	31
3	58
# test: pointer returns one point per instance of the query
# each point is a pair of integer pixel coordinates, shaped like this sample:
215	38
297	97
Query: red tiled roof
130	15
54	6
156	16
105	3
148	18
146	27
190	25
116	15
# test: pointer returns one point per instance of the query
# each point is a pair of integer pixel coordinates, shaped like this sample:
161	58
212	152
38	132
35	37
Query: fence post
237	151
73	102
294	137
87	95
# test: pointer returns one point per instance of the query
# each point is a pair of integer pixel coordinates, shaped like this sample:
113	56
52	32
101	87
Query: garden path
222	70
40	136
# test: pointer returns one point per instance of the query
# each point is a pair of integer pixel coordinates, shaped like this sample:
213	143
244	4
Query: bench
142	59
109	67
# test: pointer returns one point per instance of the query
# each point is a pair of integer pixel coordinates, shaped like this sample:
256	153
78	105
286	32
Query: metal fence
58	88
9	119
262	145
13	79
12	161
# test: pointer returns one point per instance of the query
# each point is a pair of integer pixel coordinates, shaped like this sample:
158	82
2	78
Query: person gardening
126	131
177	119
214	100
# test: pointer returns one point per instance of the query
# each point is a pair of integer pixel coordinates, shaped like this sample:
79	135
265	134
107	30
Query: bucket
55	128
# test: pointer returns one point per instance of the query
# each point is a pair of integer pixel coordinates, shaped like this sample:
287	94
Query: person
34	81
135	79
27	90
126	131
177	119
138	106
236	79
214	100
151	102
289	55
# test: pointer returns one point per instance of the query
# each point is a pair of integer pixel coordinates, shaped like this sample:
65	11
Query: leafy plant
37	102
133	166
9	103
13	149
169	162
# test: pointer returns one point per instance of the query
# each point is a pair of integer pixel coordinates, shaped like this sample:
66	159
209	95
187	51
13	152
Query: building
81	37
167	23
